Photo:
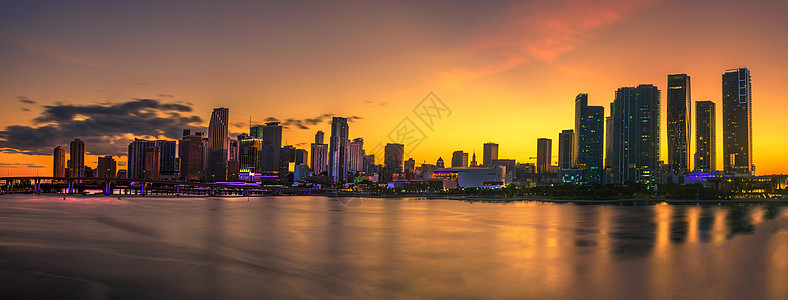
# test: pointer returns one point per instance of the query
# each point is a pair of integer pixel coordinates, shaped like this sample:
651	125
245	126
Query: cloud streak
106	128
536	31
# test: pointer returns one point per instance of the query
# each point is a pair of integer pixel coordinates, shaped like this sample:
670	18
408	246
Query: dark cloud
353	118
25	109
25	100
271	119
106	128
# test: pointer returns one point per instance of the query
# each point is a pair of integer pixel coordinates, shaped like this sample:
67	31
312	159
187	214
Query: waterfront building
489	153
636	135
678	123
338	150
544	151
705	136
459	159
59	165
77	159
565	155
394	156
737	122
217	144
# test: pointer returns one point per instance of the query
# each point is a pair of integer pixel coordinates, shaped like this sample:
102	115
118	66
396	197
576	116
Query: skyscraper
394	157
217	143
136	158
565	142
59	166
636	135
250	154
678	122
737	121
152	164
490	152
338	148
190	152
705	136
544	151
106	167
588	140
609	122
272	145
409	165
168	160
356	163
319	137
77	159
459	159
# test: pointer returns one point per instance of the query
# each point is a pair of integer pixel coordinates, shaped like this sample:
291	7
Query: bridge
110	186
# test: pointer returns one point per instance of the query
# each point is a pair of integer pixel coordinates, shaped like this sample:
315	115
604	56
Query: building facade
59	164
489	153
705	136
217	144
394	157
338	150
678	123
544	152
737	122
76	158
459	159
565	146
636	135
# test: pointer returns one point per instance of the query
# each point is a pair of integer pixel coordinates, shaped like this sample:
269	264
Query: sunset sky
507	70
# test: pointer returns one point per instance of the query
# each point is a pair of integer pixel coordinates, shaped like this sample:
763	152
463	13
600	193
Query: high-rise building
679	106
59	166
136	158
256	132
272	145
356	162
338	150
250	155
77	159
544	151
589	140
565	141
152	164
106	167
301	157
190	152
636	135
319	159
394	156
168	163
459	159
217	143
705	136
609	138
737	121
319	137
490	152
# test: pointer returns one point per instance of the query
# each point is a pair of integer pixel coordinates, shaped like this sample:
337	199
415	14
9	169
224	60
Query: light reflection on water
314	247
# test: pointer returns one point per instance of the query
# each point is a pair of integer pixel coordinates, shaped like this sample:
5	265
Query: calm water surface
319	248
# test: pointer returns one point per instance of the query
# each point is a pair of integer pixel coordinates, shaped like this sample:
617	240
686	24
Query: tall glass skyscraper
589	140
59	166
217	143
705	136
737	121
679	107
77	159
272	147
338	150
635	150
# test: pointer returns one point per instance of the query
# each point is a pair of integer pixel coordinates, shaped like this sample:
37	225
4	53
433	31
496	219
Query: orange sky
509	71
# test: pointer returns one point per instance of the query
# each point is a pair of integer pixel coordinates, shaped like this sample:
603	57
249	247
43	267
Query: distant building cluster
628	153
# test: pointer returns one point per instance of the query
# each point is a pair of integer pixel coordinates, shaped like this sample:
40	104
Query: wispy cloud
539	30
25	100
45	46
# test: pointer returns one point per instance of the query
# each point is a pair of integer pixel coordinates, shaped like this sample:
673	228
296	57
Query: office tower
678	111
152	163
459	159
286	156
319	158
565	141
77	159
302	157
440	163
190	152
319	137
136	158
737	121
589	140
609	138
394	156
705	136
490	152
232	149
59	166
544	150
106	167
338	148
409	165
167	164
356	163
217	144
636	135
249	154
272	145
256	132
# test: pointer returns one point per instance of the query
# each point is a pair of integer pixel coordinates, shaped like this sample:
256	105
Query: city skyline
476	74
